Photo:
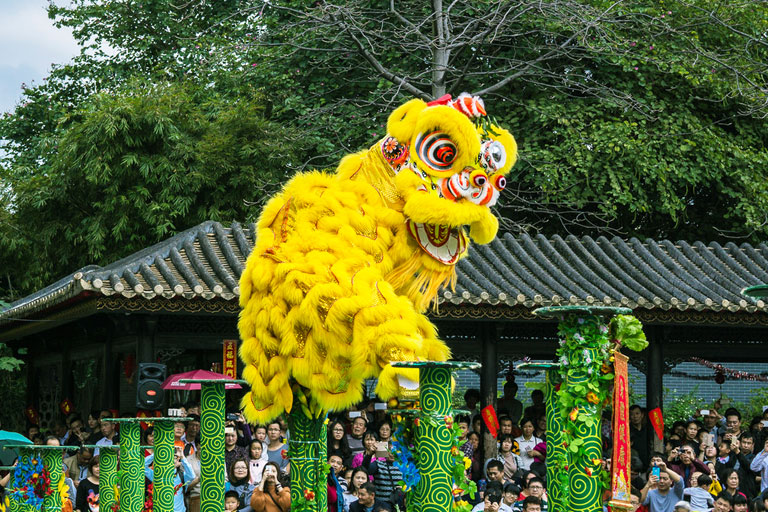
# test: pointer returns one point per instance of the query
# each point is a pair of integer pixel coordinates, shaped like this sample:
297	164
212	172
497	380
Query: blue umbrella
7	437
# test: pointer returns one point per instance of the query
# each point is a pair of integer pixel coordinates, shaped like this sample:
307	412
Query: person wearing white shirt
760	465
527	442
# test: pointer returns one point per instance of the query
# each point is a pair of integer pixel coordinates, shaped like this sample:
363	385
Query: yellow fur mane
337	284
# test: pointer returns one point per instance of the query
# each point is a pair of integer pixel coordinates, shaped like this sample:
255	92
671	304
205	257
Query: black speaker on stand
149	391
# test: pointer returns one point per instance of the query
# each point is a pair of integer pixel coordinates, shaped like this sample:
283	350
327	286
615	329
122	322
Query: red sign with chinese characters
620	487
657	421
230	358
490	419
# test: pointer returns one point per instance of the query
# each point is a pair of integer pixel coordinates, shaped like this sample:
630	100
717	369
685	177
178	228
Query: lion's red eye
499	183
479	180
436	150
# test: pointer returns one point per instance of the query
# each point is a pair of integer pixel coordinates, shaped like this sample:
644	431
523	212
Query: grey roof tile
206	262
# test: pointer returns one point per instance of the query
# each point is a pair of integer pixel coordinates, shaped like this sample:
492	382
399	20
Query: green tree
640	119
139	164
13	381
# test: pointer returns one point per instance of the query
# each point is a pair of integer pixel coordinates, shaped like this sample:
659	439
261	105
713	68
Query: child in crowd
231	501
699	497
357	478
257	459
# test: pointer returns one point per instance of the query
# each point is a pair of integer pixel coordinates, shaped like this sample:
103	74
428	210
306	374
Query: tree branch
378	66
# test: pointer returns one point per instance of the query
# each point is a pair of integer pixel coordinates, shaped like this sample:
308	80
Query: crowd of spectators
711	462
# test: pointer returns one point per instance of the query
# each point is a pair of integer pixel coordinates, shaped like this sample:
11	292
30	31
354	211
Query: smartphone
705	412
382	448
355	414
656	471
710	439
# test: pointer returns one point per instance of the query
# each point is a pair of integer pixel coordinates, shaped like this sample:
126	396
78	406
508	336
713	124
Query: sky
29	44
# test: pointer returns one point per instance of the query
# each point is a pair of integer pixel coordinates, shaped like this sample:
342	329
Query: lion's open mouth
444	243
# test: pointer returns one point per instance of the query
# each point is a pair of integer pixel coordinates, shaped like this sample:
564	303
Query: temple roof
205	262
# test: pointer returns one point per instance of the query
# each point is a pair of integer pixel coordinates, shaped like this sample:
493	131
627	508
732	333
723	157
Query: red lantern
719	377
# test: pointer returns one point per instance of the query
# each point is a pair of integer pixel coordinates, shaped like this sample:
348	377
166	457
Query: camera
494	496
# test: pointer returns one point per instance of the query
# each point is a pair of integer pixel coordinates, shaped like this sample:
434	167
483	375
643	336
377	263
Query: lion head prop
346	264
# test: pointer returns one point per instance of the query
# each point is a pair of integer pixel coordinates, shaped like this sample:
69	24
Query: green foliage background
644	119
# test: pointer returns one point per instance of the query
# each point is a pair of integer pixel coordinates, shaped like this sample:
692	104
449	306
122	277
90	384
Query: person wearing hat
682	506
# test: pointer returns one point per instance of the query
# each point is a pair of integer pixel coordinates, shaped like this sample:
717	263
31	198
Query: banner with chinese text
657	422
620	460
230	358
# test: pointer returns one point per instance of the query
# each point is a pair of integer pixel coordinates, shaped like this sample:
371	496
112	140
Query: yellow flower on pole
467	463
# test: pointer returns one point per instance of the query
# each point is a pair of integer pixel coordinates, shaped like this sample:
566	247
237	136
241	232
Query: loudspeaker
149	393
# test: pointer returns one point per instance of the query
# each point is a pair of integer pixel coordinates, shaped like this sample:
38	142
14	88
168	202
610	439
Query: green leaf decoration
628	331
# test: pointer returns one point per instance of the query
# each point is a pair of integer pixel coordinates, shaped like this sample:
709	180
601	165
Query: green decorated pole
577	388
52	459
574	409
131	465
557	481
584	475
212	471
212	407
307	451
434	492
107	476
163	464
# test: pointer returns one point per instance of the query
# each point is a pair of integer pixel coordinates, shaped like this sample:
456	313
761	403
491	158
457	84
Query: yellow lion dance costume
346	264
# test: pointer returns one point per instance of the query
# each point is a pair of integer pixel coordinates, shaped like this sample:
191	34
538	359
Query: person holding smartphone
386	476
270	495
663	490
732	425
711	420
